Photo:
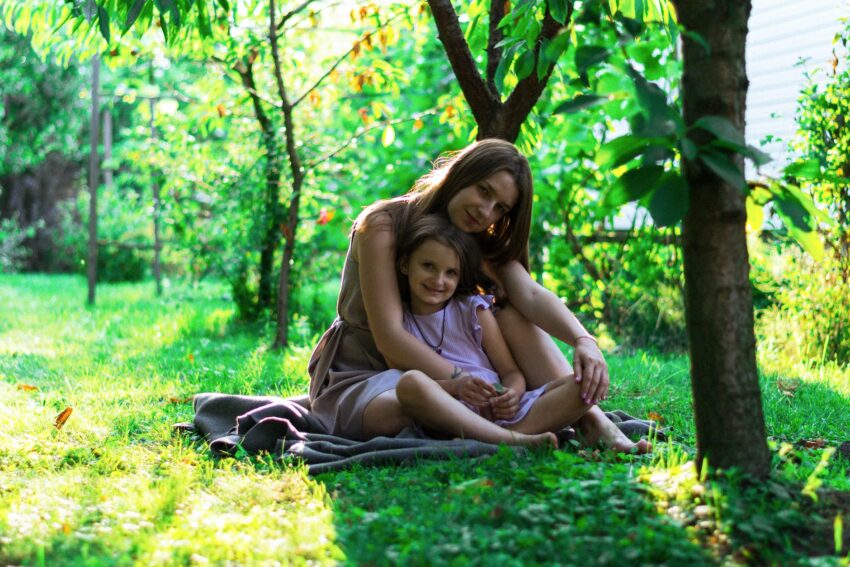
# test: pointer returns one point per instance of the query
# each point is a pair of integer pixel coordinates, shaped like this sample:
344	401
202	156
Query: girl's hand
591	370
506	404
474	390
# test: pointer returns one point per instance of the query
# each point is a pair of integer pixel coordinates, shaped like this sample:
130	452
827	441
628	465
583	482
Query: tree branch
482	102
494	54
362	132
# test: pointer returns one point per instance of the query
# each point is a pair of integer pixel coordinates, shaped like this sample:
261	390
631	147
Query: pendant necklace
438	347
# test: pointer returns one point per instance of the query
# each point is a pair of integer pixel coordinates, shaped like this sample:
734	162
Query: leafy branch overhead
646	161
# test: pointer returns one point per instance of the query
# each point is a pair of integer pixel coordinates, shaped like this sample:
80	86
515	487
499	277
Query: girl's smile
433	272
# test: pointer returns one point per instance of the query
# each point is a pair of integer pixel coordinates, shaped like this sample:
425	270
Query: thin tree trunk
282	335
157	243
91	268
107	147
718	300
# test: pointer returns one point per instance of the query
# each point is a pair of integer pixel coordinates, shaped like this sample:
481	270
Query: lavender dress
462	344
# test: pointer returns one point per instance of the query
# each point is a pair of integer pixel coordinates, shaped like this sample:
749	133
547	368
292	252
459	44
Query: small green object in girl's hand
498	387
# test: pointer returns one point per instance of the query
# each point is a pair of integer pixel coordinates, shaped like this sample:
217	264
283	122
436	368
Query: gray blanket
284	427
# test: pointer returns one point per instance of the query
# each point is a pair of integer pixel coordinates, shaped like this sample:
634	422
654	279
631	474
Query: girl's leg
383	416
425	401
542	362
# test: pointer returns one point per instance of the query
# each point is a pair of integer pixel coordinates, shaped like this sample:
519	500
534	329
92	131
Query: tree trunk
718	300
94	175
107	147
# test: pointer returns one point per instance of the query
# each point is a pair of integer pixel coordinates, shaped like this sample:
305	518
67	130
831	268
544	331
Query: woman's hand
506	404
591	370
474	390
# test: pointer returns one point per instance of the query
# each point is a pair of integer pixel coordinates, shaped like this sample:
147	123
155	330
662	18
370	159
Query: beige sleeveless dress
346	369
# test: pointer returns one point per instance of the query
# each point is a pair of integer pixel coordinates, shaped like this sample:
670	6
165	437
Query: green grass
115	486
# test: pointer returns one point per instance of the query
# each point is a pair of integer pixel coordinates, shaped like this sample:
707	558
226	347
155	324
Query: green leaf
757	156
133	14
670	200
203	18
559	10
621	150
689	148
103	22
803	169
722	129
388	136
225	5
722	165
632	185
589	55
580	102
791	209
755	213
505	64
524	64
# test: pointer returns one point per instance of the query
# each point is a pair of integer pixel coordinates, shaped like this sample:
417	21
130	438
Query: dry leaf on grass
655	417
27	387
62	418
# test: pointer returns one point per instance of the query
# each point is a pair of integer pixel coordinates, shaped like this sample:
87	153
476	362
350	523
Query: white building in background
781	34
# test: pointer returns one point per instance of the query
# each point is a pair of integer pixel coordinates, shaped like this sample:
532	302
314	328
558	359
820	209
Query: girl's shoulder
472	303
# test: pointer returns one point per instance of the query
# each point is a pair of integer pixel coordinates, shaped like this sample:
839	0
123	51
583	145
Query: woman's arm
544	309
505	405
374	250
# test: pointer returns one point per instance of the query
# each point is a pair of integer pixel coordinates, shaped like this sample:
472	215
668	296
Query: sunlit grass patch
114	485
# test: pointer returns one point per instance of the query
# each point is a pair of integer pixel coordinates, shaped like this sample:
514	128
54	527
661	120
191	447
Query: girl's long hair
507	239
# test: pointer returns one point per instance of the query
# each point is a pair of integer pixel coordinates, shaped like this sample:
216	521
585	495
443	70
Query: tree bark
107	147
718	300
94	178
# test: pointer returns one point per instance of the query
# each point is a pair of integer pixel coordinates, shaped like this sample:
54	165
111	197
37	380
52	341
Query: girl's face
433	272
477	207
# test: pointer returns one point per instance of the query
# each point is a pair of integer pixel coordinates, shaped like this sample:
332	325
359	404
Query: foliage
42	111
115	485
12	237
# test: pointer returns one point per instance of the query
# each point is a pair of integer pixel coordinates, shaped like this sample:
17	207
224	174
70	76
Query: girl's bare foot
547	439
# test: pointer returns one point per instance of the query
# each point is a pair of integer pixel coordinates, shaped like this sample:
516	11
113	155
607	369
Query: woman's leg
426	402
383	416
542	362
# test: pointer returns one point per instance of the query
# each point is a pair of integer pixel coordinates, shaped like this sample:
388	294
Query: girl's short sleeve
472	305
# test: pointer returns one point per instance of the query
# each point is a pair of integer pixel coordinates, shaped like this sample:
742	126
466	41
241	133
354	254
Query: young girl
439	268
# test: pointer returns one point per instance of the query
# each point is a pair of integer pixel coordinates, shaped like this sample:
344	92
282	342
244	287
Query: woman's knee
410	387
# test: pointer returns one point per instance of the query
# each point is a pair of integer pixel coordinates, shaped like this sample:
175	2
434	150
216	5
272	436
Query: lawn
113	485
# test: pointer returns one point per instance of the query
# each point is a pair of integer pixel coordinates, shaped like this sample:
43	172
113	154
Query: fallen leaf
787	388
175	400
812	443
62	418
27	387
190	357
655	417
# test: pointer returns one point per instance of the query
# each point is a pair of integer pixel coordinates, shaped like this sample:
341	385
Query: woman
485	190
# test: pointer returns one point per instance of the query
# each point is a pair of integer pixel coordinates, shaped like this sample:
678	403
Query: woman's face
475	208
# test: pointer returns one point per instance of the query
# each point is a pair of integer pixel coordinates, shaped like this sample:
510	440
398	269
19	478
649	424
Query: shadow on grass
552	508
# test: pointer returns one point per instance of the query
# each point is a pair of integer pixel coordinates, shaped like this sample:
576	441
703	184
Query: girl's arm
374	250
505	405
544	309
